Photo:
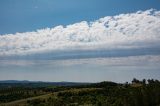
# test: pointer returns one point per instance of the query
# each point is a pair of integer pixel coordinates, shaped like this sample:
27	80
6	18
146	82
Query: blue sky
79	40
30	15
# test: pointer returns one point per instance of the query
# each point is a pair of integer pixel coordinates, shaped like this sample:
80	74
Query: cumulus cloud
132	30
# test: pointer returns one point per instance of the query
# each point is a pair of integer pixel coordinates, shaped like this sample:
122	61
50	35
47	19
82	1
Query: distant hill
15	81
6	83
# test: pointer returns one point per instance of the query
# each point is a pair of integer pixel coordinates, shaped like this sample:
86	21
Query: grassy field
23	102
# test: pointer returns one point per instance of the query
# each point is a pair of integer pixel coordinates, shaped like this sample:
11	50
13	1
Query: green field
137	93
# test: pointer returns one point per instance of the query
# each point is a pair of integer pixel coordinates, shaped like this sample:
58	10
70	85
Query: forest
135	93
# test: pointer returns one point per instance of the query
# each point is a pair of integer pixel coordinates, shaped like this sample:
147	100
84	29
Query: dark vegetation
137	93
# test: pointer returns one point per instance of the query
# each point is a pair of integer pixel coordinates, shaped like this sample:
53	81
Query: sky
30	15
79	40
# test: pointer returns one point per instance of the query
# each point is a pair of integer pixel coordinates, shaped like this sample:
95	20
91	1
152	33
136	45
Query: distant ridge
14	81
63	83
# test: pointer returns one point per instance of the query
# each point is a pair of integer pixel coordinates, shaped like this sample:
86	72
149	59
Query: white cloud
132	30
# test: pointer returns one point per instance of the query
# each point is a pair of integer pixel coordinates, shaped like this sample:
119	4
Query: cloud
124	31
147	60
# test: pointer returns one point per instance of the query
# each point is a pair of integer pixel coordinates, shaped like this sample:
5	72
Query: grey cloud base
84	54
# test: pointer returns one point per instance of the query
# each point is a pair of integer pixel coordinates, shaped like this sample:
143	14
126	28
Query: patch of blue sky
30	15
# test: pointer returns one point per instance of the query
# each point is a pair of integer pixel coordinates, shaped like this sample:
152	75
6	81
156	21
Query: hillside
137	93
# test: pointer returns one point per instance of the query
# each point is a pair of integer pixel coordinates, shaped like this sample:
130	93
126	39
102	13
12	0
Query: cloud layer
147	60
124	31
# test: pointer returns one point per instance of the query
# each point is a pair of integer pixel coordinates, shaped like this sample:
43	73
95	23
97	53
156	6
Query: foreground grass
23	102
